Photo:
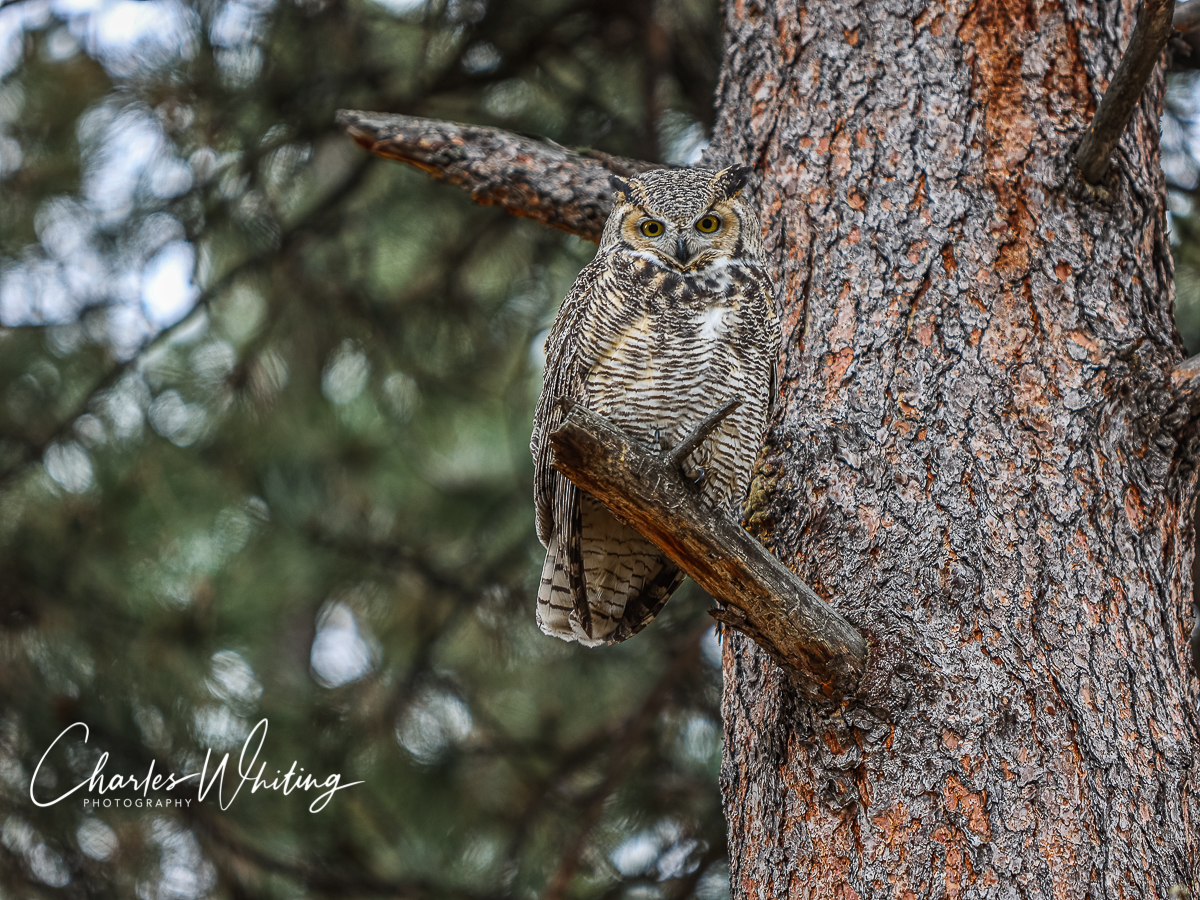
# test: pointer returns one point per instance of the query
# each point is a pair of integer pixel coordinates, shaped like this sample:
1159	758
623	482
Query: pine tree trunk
976	456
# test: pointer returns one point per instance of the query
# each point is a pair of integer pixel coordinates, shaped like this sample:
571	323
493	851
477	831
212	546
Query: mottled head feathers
684	218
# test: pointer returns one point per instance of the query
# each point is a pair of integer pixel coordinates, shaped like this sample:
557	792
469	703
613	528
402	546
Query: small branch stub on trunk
824	653
1125	90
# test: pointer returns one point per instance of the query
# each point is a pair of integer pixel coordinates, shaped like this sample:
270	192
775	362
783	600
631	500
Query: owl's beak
682	253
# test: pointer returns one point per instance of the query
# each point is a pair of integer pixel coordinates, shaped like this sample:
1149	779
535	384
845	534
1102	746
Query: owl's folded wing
563	377
556	498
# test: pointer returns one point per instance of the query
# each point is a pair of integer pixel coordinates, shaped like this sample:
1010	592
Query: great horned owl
672	320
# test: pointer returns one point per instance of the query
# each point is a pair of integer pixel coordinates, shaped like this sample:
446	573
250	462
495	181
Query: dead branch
1125	90
826	655
537	179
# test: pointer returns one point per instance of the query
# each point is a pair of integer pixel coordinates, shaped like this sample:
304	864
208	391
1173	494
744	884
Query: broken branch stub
536	179
825	654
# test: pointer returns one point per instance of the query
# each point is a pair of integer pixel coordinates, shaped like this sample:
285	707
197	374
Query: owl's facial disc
681	239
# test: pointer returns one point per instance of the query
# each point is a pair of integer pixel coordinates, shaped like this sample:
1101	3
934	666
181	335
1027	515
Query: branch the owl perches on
824	653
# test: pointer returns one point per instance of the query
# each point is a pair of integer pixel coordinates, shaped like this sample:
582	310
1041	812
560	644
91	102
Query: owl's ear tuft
621	187
730	181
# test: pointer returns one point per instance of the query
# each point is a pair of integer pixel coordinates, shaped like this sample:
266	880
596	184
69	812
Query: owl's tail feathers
557	615
643	607
627	580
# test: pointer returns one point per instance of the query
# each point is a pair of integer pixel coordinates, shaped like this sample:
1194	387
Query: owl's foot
679	454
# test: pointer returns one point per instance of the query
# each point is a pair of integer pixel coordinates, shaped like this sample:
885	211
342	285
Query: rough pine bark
978	454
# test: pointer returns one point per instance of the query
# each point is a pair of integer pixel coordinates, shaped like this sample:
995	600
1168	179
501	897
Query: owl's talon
700	476
658	439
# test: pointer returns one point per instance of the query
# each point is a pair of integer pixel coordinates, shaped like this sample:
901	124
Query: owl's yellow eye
652	228
708	224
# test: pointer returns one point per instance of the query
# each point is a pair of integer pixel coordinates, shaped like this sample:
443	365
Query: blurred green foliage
264	412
